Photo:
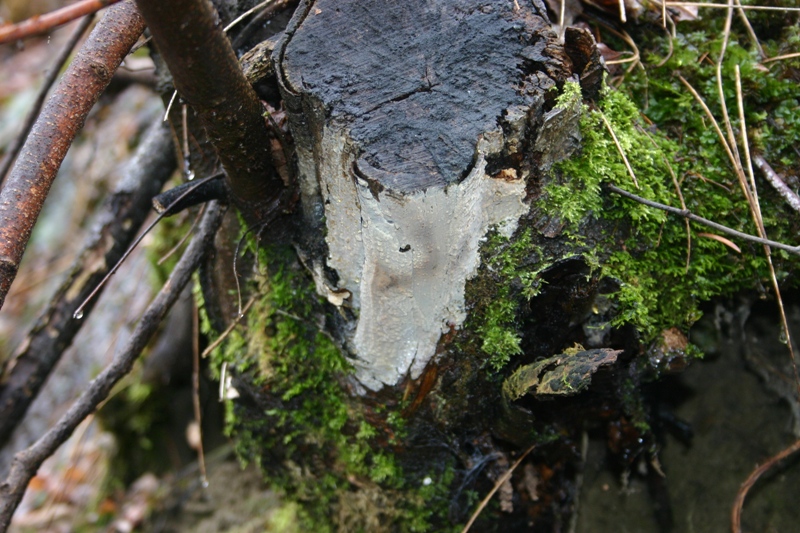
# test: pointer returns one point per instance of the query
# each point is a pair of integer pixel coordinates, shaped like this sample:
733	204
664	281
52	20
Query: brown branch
736	512
50	78
207	75
88	75
28	461
700	220
123	214
43	23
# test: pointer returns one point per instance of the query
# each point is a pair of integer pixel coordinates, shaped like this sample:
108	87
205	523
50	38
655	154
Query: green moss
316	445
511	282
647	250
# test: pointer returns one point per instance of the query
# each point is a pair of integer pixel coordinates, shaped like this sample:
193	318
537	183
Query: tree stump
422	131
411	120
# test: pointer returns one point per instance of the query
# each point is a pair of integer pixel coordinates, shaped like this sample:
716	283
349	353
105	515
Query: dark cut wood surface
415	82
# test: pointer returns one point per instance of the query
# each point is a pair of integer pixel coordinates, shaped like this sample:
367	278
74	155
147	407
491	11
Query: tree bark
26	187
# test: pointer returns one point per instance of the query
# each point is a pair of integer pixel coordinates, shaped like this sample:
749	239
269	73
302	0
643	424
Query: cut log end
414	83
406	116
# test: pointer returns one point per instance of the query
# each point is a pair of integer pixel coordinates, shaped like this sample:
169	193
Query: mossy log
411	123
368	382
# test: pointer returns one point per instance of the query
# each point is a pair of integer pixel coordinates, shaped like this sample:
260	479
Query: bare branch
50	78
207	75
48	21
28	461
123	214
777	183
27	186
700	220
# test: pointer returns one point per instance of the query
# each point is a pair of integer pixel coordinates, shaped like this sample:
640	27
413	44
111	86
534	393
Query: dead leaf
561	375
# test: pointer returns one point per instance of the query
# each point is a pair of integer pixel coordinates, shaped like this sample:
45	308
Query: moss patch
333	456
647	248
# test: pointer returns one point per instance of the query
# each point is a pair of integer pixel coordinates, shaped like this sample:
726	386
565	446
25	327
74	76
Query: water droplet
78	314
782	337
205	483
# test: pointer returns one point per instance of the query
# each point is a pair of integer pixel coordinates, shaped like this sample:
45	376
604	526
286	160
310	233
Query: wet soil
739	420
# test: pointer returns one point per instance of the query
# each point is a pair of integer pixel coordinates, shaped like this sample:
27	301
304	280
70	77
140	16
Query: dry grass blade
635	59
680	197
728	6
496	487
710	116
723	240
619	148
749	28
782	57
79	311
211	347
756	209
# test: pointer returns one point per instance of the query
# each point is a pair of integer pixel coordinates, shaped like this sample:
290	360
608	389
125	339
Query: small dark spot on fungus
405	248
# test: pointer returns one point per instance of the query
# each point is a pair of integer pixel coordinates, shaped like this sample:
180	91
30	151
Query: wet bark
26	187
208	77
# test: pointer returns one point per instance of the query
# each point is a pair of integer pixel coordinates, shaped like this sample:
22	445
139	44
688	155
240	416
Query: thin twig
775	180
28	461
496	487
795	250
79	311
736	512
48	21
12	151
198	416
224	101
